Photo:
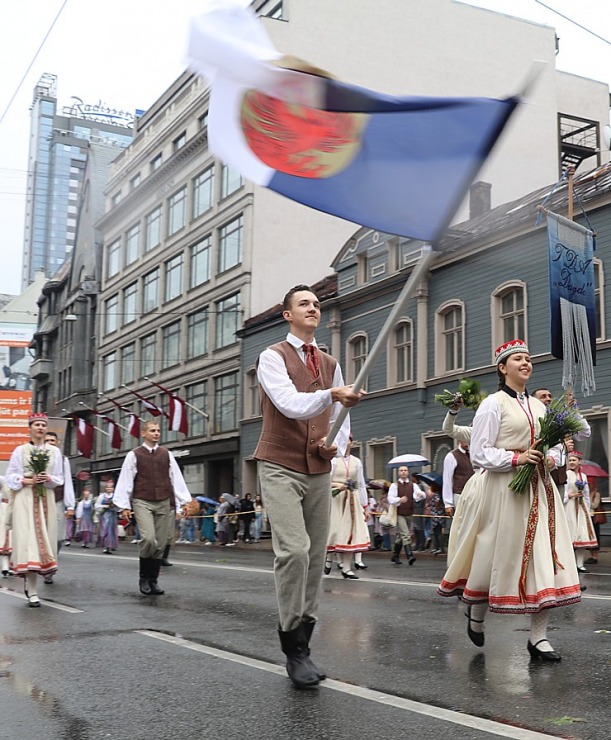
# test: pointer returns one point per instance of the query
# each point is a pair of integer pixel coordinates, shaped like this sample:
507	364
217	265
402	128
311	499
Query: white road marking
438	713
44	602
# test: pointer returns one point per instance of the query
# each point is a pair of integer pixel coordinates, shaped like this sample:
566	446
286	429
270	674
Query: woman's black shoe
547	657
327	569
350	574
360	566
477	638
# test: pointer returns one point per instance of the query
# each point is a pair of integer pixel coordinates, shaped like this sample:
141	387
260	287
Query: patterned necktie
311	359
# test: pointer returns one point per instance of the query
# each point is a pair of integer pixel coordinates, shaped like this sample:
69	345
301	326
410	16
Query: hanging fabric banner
572	300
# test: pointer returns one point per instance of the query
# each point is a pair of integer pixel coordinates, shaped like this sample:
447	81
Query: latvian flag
84	436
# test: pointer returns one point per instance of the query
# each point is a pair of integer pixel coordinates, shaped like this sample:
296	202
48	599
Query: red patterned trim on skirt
34	567
545	599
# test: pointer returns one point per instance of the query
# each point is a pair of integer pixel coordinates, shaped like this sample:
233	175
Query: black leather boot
396	553
164	557
155	565
409	554
308	628
145	575
298	665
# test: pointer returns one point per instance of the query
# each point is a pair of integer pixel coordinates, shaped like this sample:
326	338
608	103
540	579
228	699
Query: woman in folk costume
508	552
34	470
577	507
348	533
5	532
84	519
109	519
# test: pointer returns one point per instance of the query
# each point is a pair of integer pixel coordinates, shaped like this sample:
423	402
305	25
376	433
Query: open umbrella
592	469
411	461
430	479
206	500
378	484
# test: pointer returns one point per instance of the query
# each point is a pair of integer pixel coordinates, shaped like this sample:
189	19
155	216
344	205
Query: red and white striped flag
177	418
84	436
114	432
133	426
148	405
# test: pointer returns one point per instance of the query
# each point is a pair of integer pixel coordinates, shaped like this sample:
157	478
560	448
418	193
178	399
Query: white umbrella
411	461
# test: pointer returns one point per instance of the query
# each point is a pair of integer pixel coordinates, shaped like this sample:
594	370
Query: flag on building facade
149	406
401	165
84	436
133	425
177	416
572	291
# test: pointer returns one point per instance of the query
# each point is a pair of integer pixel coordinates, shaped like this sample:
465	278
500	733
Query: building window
116	198
450	339
227	320
402	357
156	163
179	141
231	180
509	313
379	452
109	370
356	355
132	244
130	303
134	182
171	344
176	211
128	362
203	192
153	229
230	244
200	262
197	333
150	292
599	296
273	9
226	403
148	351
197	395
114	259
203	121
253	399
173	277
111	314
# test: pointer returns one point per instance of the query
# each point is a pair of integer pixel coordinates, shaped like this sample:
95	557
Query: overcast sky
126	52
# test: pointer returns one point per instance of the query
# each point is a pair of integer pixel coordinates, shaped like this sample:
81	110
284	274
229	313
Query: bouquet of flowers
468	391
560	421
580	485
39	459
349	485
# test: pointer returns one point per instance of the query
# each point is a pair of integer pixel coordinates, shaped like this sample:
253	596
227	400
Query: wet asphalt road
99	660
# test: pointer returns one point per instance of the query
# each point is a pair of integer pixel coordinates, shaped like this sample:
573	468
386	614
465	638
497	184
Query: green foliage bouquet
468	391
349	485
39	459
561	420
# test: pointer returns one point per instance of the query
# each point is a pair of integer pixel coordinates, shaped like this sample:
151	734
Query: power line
570	20
31	64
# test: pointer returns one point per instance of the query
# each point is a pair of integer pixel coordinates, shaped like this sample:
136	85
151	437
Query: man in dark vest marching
149	481
302	391
402	494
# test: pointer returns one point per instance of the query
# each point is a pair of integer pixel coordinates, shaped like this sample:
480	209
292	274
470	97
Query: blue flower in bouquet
580	485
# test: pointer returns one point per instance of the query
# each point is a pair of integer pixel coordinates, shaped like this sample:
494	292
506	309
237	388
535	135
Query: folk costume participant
150	478
5	532
348	533
457	469
64	498
108	536
510	553
34	471
301	393
454	430
577	507
402	494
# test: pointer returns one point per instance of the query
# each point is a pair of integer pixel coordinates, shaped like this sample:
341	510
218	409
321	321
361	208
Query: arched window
450	338
509	313
401	353
251	397
356	355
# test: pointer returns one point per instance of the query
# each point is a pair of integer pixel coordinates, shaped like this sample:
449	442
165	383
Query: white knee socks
580	556
538	631
478	614
31	584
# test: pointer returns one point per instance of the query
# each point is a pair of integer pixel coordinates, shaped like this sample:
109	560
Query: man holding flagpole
150	478
302	391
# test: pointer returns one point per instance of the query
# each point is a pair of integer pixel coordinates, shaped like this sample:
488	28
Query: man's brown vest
405	489
152	481
559	475
59	493
293	443
462	472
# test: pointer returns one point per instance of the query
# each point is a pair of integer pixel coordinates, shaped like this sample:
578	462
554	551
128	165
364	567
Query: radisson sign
99	112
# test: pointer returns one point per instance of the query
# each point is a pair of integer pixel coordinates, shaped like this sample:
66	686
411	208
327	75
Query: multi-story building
489	284
56	163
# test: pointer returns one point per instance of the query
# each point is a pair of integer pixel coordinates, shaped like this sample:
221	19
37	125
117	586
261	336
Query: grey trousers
297	506
404	527
154	521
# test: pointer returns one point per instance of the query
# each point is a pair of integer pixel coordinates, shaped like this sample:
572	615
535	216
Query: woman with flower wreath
509	552
34	471
577	507
348	532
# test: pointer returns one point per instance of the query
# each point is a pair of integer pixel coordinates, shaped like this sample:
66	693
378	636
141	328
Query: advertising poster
15	386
